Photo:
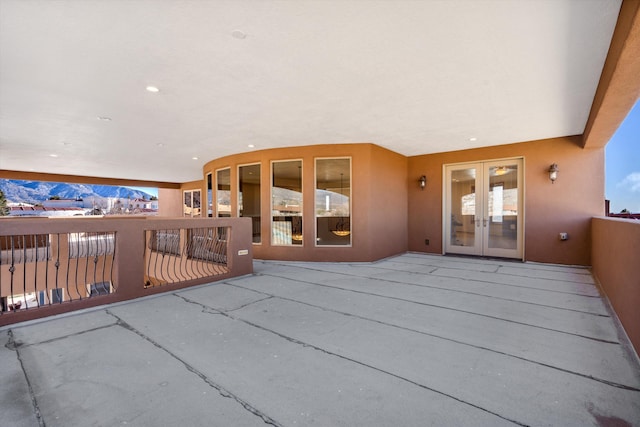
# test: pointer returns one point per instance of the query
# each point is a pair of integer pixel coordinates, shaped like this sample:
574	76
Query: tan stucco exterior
616	268
379	200
564	206
391	214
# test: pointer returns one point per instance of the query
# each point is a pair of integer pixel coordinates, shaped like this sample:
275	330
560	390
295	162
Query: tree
4	209
625	210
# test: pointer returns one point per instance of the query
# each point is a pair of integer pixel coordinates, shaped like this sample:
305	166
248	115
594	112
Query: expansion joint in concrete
330	353
13	345
368	319
220	389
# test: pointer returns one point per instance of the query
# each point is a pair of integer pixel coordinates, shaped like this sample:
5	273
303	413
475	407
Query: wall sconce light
423	182
553	172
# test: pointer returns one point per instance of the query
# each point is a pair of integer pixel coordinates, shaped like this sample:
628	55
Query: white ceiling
416	77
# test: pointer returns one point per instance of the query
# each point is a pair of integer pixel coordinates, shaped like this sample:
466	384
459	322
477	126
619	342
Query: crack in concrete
449	277
12	345
505	264
248	304
590	377
330	353
221	390
446	308
50	340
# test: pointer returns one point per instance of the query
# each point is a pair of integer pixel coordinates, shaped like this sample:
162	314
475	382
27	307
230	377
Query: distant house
45	211
63	203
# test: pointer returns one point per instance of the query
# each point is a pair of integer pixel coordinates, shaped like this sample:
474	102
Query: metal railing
45	269
50	266
178	255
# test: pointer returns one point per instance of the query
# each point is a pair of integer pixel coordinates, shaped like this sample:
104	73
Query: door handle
484	222
477	223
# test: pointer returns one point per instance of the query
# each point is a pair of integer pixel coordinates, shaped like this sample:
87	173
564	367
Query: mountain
33	192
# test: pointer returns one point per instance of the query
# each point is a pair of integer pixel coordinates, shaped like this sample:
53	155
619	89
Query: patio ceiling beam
619	86
51	177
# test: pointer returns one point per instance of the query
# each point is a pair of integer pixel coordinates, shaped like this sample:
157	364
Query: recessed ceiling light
160	144
153	89
473	139
251	146
238	34
194	158
104	118
53	155
65	143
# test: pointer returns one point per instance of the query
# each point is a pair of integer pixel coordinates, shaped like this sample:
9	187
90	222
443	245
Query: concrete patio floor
413	340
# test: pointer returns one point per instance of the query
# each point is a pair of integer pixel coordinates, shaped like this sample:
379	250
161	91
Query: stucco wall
170	202
387	203
378	205
616	267
565	206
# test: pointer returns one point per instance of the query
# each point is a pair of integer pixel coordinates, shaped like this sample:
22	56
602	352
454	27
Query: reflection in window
191	206
209	196
503	206
468	203
187	206
496	202
223	193
463	207
332	202
249	196
286	203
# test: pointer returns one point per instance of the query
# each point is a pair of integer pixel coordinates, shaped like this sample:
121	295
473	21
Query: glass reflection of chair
454	237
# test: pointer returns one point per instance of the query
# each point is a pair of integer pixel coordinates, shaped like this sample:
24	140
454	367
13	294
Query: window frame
260	195
216	212
271	196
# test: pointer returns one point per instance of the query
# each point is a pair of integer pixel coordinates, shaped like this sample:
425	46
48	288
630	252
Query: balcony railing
51	266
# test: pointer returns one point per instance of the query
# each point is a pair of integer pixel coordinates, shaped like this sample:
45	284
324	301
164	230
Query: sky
622	165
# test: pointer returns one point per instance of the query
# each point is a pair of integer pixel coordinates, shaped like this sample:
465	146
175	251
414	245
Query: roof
43	208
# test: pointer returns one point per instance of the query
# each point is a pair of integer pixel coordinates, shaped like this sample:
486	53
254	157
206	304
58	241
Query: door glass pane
463	207
286	203
503	207
333	195
249	196
223	193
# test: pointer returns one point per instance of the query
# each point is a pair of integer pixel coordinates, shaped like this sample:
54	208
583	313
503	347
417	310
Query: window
286	203
249	196
209	196
100	288
191	206
333	202
223	193
55	296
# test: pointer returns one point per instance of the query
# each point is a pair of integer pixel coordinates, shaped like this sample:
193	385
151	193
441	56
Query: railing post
129	259
240	248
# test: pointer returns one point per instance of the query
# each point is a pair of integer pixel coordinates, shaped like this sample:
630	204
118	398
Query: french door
484	208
